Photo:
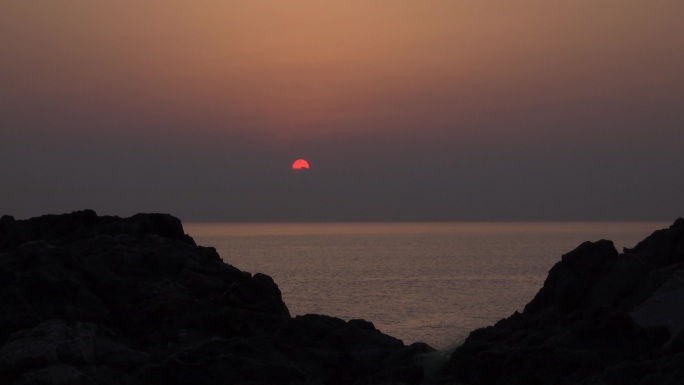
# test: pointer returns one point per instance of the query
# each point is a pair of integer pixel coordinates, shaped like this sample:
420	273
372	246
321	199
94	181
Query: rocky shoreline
602	317
88	299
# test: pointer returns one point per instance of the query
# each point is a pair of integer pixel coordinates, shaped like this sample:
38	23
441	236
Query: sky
433	110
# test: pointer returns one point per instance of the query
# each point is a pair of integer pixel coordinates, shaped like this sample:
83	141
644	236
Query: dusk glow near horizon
413	110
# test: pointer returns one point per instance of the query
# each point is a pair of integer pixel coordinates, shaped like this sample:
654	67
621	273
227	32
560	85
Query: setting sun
300	164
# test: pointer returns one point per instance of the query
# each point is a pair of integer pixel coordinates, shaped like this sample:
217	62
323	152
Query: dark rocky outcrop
87	299
600	318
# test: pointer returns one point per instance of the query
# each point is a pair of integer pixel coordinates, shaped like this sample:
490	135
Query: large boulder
600	318
88	299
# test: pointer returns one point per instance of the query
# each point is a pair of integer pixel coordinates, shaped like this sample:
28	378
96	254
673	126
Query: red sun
300	164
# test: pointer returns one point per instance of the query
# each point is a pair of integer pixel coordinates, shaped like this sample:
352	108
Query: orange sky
302	68
541	96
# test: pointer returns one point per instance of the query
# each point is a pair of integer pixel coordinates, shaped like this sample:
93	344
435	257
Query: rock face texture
600	318
87	299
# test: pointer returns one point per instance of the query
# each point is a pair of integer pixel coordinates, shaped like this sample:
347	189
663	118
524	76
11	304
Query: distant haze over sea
527	110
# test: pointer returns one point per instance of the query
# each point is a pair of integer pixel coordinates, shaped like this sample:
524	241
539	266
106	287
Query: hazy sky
406	110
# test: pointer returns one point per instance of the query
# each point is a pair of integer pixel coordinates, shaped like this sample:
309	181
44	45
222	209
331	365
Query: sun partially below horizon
300	164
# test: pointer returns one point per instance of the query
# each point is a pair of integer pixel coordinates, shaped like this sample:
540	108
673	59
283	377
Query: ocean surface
429	282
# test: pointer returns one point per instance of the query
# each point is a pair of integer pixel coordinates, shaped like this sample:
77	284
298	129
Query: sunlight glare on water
429	282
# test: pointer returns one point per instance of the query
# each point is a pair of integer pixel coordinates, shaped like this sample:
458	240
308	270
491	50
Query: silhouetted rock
87	299
600	318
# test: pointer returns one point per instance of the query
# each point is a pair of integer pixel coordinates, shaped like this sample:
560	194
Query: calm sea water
430	282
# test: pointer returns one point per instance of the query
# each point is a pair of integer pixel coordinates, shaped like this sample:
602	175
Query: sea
419	282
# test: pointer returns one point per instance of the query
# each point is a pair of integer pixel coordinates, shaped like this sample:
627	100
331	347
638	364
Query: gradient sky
406	110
